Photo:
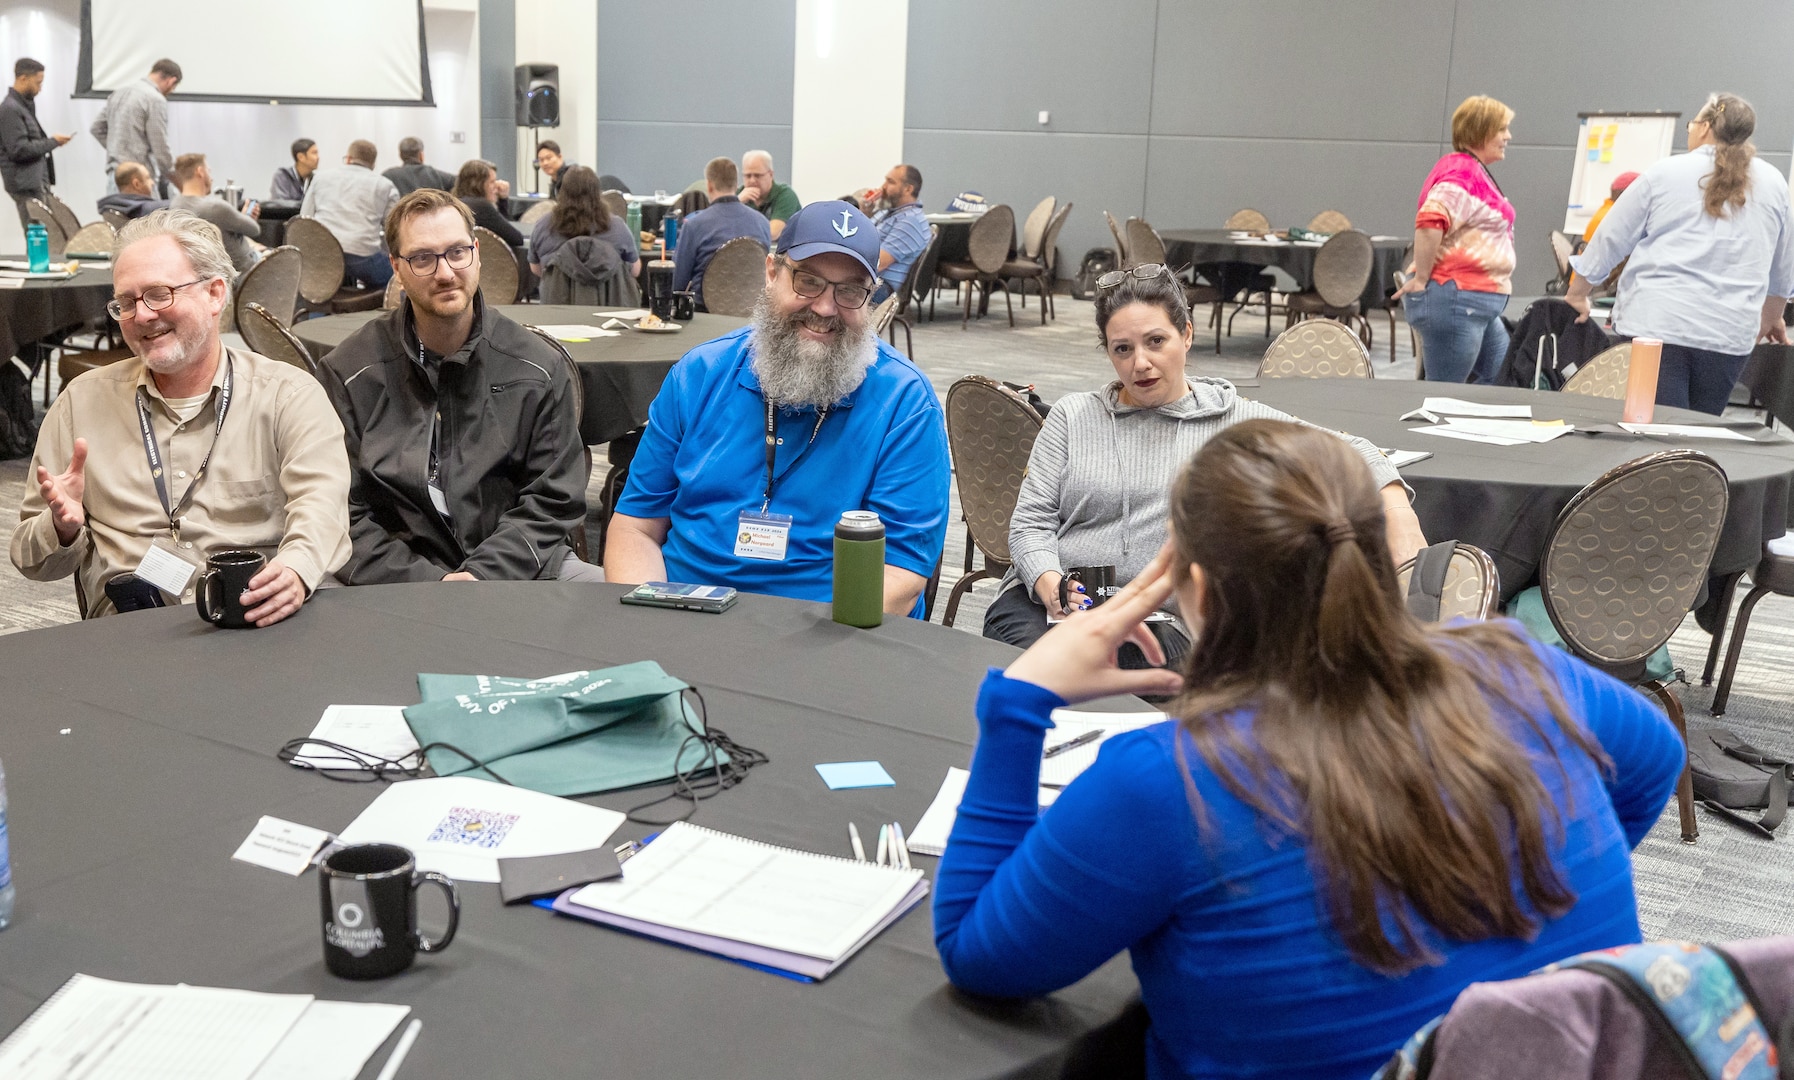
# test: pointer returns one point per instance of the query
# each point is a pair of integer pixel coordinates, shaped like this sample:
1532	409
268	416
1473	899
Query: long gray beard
795	372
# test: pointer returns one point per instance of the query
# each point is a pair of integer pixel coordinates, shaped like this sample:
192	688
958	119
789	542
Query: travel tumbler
1641	381
860	569
37	247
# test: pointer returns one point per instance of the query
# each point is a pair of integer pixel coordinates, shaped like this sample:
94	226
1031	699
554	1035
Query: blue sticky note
854	774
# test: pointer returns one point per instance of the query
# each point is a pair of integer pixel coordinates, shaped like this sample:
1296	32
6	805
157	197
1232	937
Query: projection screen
345	52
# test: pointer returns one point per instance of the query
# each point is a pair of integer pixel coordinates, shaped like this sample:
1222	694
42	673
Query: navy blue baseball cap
830	226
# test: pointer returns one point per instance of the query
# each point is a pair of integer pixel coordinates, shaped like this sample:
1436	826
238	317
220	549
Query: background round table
619	375
1188	247
1505	499
44	309
122	831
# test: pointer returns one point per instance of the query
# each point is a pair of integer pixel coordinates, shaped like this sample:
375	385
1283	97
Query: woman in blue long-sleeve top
1350	817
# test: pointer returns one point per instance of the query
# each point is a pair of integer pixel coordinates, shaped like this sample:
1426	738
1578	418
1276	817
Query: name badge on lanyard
761	534
166	565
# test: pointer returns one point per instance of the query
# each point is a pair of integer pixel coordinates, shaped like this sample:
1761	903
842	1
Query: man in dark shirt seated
291	181
465	461
411	173
134	197
703	233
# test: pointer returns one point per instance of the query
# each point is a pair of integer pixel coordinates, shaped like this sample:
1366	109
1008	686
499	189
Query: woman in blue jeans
1464	251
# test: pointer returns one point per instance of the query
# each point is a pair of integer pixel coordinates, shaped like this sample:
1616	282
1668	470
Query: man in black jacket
25	163
466	462
411	173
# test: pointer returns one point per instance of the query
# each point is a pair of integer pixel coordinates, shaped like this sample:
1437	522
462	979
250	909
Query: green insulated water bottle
860	569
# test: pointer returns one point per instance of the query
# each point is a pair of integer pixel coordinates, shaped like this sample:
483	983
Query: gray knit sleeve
1034	526
1380	468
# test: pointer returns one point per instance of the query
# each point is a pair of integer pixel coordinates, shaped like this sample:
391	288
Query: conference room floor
1728	886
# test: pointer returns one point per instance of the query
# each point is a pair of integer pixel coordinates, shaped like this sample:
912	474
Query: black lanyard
772	450
154	452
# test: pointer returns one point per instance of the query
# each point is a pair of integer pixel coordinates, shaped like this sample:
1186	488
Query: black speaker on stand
538	105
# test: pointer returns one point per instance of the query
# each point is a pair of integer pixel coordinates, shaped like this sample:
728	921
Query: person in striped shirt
902	227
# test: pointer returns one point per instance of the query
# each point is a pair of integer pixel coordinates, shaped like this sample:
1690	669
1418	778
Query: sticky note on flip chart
854	774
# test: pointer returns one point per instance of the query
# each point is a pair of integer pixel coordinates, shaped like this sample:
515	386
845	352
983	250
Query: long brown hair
1373	737
579	209
470	182
1732	121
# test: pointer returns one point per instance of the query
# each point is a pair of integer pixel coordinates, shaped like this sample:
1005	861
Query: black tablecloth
274	217
43	309
122	831
1770	376
1188	247
1505	499
620	375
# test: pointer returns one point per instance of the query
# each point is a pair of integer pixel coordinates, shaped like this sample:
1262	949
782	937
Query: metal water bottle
860	569
37	247
670	224
634	217
233	194
7	892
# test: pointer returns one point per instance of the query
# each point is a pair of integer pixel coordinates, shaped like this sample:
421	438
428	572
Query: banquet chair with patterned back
689	203
264	333
1472	584
395	292
988	251
94	238
1038	267
500	276
576	537
1626	560
41	213
1604	375
115	218
1247	219
535	213
1561	250
906	295
616	203
1774	574
1120	240
1330	221
735	277
991	431
65	215
1034	227
1342	269
1316	349
272	282
321	271
1143	243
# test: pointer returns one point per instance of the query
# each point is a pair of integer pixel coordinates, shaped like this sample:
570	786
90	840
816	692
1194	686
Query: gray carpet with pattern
1729	885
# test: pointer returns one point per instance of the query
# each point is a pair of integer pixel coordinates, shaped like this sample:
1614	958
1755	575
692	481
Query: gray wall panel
994	65
714	61
1295	69
650	156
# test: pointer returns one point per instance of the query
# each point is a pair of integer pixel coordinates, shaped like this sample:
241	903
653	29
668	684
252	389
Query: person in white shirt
1711	257
352	201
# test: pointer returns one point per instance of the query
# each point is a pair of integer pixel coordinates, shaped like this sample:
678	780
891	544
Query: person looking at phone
187	447
240	228
760	440
467	463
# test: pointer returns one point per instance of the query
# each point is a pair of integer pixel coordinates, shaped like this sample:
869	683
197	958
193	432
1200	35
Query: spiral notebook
791	911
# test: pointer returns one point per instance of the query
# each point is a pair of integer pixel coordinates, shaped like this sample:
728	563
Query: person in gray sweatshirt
1098	484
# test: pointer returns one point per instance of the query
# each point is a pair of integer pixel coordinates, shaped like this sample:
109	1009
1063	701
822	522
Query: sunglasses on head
1145	272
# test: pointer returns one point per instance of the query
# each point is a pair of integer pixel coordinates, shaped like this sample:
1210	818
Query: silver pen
900	845
859	849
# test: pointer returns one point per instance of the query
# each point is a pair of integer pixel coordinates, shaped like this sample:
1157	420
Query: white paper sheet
1687	431
376	730
460	826
1451	406
1462	433
1517	430
929	837
1401	458
575	331
629	314
1068	724
333	1040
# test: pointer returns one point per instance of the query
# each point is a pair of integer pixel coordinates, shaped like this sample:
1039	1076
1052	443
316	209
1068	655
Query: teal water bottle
37	247
635	221
860	569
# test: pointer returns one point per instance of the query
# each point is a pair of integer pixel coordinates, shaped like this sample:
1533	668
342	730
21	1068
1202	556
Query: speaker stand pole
535	187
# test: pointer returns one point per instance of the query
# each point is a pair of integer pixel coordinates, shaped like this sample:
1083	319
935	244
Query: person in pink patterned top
1464	251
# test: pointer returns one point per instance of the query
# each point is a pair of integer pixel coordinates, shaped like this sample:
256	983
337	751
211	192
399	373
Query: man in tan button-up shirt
277	479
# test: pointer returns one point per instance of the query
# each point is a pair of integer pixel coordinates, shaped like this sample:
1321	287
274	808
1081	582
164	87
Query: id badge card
168	567
762	536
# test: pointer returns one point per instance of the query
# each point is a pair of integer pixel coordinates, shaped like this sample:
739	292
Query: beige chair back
992	235
1561	249
534	214
616	203
96	238
1472	584
1330	221
115	218
991	431
1248	220
1316	349
499	274
265	334
883	313
65	216
735	277
1120	240
1342	268
395	291
1050	244
273	283
1143	243
41	213
1605	375
1034	228
320	259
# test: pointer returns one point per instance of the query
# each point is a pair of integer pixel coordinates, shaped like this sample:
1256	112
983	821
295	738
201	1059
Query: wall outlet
1044	117
457	137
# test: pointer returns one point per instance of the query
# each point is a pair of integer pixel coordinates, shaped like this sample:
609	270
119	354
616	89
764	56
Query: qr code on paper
475	828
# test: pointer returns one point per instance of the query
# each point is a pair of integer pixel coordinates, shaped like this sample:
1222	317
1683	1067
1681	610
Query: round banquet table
123	827
1505	499
1185	247
619	376
43	309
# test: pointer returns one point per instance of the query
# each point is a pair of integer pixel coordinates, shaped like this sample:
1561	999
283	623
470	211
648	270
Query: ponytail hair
1371	737
1732	121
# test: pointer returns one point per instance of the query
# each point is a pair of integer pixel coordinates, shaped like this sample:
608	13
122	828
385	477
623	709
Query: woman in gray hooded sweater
1098	483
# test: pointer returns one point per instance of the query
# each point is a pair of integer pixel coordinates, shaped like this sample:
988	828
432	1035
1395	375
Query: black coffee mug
227	573
369	894
1098	581
684	305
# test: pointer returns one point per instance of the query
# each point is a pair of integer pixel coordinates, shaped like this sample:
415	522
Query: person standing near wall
133	126
25	162
1464	251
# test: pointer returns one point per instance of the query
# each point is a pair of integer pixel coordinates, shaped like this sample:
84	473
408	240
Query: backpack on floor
1732	775
1097	262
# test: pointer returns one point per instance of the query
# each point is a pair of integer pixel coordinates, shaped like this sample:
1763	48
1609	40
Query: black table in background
122	831
274	217
1769	375
43	310
619	375
1188	247
1505	499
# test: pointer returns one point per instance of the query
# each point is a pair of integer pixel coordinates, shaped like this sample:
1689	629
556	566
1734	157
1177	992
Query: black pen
1082	740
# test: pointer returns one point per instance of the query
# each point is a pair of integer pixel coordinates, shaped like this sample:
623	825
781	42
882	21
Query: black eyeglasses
423	264
1145	272
809	286
156	298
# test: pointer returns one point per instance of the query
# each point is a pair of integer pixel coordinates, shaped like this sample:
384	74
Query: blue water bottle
7	892
671	222
37	247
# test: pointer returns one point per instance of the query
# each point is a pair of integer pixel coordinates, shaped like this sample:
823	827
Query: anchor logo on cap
841	226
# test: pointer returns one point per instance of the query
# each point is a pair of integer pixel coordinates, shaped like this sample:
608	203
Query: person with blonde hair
1463	265
1709	256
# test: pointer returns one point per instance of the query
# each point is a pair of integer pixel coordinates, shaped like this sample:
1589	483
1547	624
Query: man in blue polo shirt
902	228
850	422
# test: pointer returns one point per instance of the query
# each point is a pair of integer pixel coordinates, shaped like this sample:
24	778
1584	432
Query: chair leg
1725	610
1008	305
1039	283
933	589
965	308
1691	831
1724	692
909	344
1391	334
960	588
